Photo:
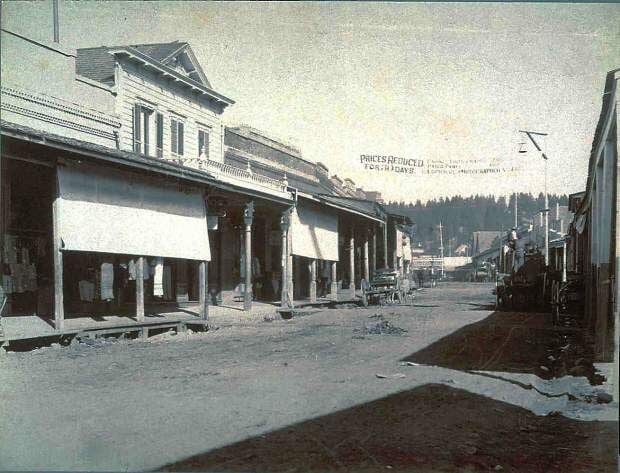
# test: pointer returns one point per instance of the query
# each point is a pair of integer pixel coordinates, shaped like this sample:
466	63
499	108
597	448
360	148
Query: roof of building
305	185
367	207
119	157
98	63
79	146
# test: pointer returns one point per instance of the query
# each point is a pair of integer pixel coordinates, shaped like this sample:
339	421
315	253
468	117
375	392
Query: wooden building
124	194
595	236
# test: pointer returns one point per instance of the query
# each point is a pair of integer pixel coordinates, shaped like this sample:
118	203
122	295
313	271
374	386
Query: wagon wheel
365	288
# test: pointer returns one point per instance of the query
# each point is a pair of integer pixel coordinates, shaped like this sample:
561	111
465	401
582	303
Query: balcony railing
223	170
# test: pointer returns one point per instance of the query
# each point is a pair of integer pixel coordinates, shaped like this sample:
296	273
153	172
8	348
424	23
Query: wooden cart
383	288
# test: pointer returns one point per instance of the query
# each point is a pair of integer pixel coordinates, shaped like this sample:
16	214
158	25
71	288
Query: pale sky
417	80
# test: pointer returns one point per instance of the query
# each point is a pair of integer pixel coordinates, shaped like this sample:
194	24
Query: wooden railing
227	170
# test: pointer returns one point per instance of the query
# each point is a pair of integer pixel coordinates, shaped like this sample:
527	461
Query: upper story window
141	117
176	136
203	144
145	122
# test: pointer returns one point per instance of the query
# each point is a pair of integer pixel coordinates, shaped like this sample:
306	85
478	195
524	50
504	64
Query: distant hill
461	216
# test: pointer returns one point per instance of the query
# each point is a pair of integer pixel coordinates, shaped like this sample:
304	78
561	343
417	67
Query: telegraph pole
530	135
516	218
441	247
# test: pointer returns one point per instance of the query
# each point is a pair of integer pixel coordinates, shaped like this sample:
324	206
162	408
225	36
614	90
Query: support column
333	289
59	306
284	226
374	248
203	289
248	216
289	263
312	268
385	245
140	288
352	262
365	257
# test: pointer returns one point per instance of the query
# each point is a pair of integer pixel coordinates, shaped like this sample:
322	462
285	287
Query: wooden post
365	258
290	285
248	216
203	289
385	245
140	288
312	268
334	284
284	226
59	306
352	262
374	248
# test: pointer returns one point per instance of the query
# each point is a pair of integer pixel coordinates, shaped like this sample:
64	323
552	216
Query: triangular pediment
184	62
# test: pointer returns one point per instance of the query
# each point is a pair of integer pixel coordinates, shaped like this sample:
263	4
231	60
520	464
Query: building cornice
167	72
61	105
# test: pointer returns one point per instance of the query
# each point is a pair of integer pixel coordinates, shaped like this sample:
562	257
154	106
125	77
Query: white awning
315	232
113	212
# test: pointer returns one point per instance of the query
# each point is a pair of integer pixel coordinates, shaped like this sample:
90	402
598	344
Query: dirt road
331	391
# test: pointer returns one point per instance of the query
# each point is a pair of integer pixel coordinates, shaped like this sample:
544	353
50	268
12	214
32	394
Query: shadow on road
426	429
514	342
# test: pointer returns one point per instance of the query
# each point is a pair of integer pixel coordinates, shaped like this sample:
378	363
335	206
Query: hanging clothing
30	277
158	277
87	291
131	267
25	255
256	268
326	270
167	282
107	281
8	284
19	279
9	253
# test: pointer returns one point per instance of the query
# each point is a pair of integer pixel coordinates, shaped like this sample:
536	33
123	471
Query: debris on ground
382	327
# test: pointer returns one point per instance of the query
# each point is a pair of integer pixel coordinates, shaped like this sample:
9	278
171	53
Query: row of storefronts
124	193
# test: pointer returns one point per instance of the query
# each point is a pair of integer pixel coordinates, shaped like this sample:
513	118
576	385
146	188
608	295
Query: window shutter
159	139
180	137
136	128
173	135
145	117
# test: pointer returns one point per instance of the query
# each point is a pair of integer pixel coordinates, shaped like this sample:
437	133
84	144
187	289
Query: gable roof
98	63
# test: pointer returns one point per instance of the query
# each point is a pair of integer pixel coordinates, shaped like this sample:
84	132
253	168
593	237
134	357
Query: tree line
461	216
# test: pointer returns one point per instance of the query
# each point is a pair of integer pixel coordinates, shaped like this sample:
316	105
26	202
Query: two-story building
141	202
106	209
